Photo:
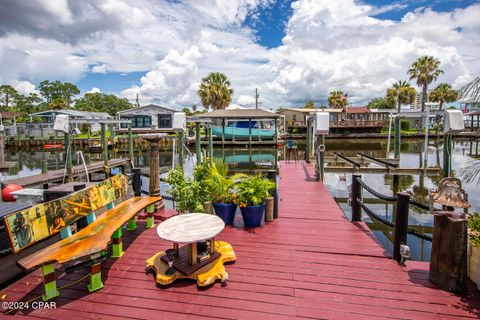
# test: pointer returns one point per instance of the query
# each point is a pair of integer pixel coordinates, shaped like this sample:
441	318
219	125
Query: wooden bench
88	244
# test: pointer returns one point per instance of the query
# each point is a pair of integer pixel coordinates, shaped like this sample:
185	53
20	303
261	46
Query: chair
292	147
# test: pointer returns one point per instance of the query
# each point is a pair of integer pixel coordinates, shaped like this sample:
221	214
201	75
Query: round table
191	228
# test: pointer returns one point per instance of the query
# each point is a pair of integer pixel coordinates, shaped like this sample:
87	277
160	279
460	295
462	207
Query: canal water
241	159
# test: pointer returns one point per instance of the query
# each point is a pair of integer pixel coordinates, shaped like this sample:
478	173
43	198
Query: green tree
309	105
8	95
401	93
337	100
215	91
68	92
380	103
443	93
28	104
57	94
101	102
425	70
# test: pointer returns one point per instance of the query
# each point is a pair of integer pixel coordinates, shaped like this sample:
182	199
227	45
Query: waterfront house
357	118
44	127
148	118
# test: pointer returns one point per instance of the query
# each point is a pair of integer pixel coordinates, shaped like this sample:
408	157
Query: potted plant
474	243
222	192
189	192
252	193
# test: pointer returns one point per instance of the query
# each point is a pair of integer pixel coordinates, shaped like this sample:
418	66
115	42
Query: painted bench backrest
34	224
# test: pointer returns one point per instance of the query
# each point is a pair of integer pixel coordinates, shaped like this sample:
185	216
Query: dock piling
401	224
356	193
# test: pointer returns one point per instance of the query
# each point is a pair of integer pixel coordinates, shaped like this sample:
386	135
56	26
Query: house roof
240	113
9	114
73	113
357	110
303	110
148	106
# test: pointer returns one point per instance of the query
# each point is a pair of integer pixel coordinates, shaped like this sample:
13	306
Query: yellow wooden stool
205	276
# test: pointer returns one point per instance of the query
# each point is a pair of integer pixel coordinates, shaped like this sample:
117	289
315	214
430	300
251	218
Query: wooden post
276	144
68	159
130	143
272	176
397	137
223	133
448	263
208	207
210	143
269	209
136	182
401	224
471	123
104	144
447	155
2	150
308	145
322	158
44	166
154	185
181	153
250	136
198	148
355	194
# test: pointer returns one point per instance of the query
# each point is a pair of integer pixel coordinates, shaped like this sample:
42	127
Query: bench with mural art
89	244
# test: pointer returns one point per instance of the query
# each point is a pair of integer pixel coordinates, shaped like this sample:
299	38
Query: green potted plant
221	188
474	242
251	195
189	192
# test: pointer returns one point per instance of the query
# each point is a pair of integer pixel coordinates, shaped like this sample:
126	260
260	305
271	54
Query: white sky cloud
329	45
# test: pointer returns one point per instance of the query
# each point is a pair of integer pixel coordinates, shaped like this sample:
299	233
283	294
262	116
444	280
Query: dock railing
402	202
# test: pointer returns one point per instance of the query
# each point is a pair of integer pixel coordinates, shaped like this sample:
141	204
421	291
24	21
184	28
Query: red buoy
7	195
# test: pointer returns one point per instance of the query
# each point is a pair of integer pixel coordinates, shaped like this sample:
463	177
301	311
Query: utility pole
256	98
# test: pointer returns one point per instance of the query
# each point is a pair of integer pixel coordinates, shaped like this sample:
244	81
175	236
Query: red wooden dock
309	263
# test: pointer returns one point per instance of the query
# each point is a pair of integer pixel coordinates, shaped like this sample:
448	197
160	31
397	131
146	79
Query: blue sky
292	51
268	25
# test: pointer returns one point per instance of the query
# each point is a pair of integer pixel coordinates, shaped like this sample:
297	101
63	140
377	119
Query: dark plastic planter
253	215
226	211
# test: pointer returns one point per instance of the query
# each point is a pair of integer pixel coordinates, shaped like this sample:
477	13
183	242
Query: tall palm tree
425	70
215	91
401	93
443	93
337	100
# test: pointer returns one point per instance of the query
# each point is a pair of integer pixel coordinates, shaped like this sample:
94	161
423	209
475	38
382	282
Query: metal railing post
356	193
401	224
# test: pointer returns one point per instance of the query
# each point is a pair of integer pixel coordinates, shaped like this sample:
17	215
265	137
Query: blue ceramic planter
253	215
226	211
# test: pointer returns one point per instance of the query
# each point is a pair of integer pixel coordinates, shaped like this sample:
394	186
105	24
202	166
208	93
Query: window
294	117
164	120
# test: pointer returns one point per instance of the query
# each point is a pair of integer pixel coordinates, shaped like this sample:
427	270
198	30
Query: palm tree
215	91
337	100
443	93
425	70
401	93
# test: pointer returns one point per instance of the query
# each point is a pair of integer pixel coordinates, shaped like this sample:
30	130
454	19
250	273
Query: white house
152	117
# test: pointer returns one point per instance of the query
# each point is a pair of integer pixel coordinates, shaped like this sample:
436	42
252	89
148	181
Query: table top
190	227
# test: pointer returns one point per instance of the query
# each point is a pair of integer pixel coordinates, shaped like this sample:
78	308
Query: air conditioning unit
61	123
179	121
322	123
453	121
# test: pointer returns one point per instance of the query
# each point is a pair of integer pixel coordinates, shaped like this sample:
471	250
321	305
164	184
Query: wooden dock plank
310	263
